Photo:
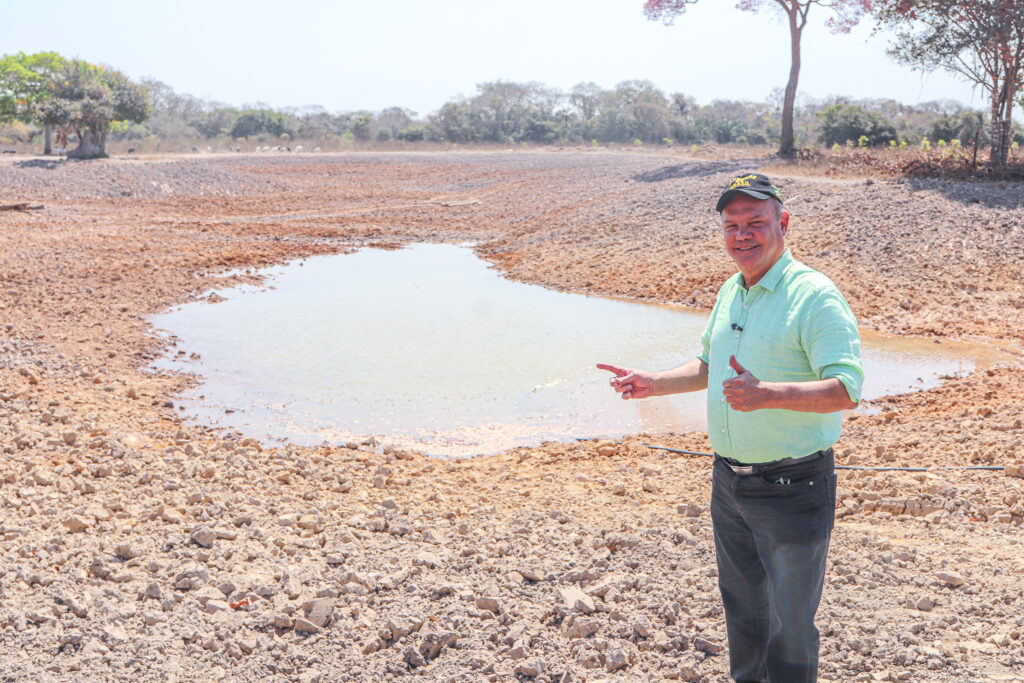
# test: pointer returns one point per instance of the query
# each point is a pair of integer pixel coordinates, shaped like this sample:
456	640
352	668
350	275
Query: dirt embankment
139	547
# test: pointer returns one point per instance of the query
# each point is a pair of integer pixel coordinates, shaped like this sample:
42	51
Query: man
780	359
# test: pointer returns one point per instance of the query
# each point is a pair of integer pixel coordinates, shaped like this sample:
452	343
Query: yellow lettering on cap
741	181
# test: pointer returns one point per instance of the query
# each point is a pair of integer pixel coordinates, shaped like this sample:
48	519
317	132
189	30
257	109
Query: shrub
413	134
362	127
541	130
849	122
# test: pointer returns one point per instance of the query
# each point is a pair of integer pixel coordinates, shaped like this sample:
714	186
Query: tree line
982	41
633	112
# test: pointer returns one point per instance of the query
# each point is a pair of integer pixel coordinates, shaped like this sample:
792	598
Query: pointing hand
630	383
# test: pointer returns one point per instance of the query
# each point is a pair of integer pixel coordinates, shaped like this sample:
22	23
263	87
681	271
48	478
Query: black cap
754	184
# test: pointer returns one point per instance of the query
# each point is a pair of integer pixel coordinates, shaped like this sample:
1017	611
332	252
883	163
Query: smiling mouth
754	246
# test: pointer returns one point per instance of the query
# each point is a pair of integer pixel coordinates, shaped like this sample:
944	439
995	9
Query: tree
846	14
88	98
258	121
842	122
452	121
215	123
362	127
27	90
394	120
980	40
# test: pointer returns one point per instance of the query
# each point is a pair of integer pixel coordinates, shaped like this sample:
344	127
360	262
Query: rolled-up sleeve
832	342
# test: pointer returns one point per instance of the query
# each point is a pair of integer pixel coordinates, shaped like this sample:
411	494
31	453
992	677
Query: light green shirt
796	327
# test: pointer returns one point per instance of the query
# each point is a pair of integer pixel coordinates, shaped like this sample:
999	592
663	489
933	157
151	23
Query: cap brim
728	197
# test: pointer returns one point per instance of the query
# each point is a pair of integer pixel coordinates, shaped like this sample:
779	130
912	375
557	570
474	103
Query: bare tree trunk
47	139
92	145
1008	127
999	147
787	146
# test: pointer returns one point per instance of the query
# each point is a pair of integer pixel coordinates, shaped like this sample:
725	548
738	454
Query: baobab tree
845	15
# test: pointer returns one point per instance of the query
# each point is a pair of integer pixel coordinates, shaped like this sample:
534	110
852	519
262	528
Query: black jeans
772	529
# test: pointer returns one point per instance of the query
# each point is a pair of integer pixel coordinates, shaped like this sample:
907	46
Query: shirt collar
771	279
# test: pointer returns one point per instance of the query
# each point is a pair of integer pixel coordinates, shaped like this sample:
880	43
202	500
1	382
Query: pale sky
347	55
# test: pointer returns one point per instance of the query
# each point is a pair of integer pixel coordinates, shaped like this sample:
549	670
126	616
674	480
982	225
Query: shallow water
430	348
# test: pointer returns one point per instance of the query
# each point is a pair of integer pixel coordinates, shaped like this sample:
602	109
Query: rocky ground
138	546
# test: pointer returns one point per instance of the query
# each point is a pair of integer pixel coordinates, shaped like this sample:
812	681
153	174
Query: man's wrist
774	394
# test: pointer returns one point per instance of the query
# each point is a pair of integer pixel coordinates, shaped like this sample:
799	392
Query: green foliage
539	130
413	134
362	127
220	121
255	122
27	84
86	99
926	146
81	98
863	141
850	122
453	122
961	125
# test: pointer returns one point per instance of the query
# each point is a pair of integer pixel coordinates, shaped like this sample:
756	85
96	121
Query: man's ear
784	221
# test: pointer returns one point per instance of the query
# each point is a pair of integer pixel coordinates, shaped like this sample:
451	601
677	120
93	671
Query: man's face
754	237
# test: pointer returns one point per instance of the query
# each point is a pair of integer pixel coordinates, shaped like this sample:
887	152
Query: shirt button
723	430
723	400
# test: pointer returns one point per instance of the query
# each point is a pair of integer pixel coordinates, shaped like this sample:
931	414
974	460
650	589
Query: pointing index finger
619	372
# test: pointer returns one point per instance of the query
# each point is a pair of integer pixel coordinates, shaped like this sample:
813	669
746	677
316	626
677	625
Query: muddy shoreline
139	547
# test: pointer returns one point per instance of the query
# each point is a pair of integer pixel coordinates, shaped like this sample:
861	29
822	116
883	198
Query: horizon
342	63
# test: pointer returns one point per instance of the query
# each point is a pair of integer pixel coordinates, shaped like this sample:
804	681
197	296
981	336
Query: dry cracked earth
138	546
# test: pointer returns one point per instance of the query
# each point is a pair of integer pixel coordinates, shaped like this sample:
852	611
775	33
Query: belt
751	468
